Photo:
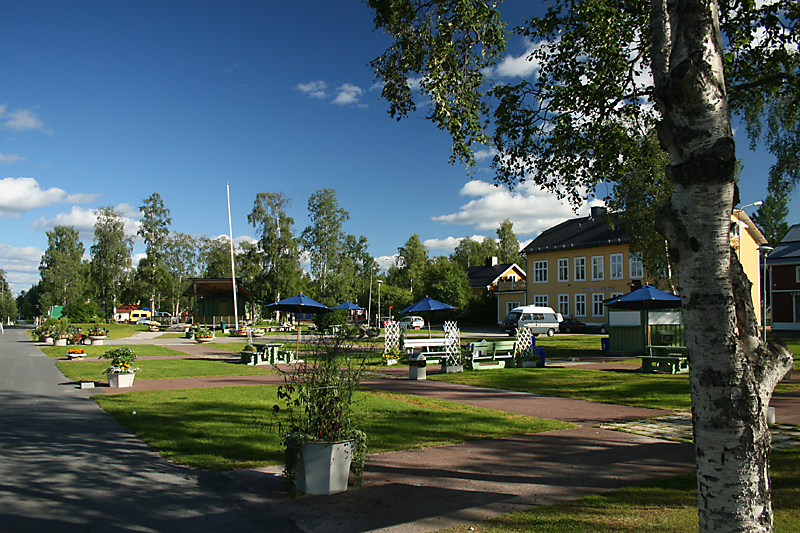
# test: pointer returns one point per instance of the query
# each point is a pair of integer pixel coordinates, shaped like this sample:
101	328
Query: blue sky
103	103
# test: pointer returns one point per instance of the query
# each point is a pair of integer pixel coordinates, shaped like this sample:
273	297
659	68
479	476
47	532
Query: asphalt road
67	466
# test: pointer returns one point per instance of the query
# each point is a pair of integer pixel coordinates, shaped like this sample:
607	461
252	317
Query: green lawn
232	427
656	391
142	350
162	369
664	506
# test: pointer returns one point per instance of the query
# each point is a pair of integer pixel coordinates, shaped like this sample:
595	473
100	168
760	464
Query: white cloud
20	119
530	209
21	266
315	89
83	220
520	66
386	261
19	195
8	159
347	94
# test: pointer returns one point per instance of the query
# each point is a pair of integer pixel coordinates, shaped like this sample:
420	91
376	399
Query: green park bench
486	355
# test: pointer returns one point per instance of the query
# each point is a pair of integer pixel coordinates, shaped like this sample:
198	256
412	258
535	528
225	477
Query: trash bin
539	352
604	344
417	366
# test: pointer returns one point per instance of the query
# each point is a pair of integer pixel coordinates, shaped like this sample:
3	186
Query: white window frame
540	271
580	268
563	270
616	266
597	304
636	266
512	305
598	273
580	304
540	300
563	304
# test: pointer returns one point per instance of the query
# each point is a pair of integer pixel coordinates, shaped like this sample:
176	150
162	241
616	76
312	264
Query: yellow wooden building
574	266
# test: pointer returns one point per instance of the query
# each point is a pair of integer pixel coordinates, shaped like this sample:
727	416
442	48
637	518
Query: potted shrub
97	334
121	372
59	329
203	335
321	443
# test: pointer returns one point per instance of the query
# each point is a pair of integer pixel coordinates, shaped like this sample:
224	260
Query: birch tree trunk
732	373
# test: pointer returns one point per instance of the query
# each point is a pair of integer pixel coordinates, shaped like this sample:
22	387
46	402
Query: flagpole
233	266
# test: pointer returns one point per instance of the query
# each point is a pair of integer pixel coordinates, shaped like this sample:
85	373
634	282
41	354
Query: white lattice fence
452	340
525	342
391	337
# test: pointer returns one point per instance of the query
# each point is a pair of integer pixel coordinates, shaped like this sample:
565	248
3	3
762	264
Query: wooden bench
486	355
433	349
676	363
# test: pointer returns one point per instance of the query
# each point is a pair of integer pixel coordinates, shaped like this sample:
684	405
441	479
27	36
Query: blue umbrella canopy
299	304
349	306
645	297
427	304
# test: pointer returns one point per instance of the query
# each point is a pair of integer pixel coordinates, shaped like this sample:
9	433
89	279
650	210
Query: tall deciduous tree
771	218
410	264
181	259
60	268
508	245
323	239
280	270
111	256
470	253
154	229
608	73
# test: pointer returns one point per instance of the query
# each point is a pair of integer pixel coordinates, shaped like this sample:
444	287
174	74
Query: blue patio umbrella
348	306
299	303
644	299
427	305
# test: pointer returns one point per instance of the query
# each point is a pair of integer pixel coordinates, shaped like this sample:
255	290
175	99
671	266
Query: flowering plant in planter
121	361
317	397
97	331
76	351
204	333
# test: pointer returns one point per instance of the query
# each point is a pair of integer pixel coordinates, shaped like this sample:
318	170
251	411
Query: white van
537	319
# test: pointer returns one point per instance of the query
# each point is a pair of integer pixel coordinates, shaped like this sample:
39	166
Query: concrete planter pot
121	380
97	340
324	467
529	364
203	340
60	342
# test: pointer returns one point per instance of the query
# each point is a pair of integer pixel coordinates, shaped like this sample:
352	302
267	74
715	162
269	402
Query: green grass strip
233	427
162	369
141	350
655	391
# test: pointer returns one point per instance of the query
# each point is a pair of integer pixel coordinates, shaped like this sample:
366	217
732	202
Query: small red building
784	266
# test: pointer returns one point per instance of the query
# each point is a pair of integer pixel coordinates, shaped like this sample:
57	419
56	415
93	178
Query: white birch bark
732	374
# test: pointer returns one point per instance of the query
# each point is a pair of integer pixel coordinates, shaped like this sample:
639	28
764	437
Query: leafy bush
81	312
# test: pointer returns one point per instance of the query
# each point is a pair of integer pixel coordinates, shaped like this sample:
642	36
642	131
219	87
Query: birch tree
608	73
111	256
154	229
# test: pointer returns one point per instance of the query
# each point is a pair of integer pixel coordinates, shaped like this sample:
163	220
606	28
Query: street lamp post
379	302
766	250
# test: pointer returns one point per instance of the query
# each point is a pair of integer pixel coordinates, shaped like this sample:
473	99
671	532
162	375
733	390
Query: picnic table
268	353
670	359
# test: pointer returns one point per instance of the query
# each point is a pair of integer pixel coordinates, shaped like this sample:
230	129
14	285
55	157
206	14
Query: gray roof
787	251
584	232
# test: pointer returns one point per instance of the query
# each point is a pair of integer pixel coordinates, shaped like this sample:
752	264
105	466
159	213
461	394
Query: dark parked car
571	325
